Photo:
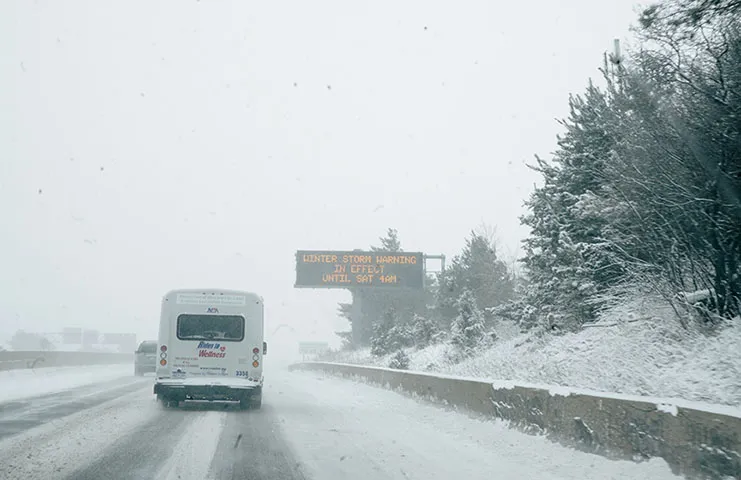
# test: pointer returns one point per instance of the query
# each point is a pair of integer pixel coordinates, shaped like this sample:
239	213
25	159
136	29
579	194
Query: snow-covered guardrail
697	441
18	360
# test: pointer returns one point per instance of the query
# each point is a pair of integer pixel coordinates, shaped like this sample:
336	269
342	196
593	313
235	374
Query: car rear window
148	347
228	328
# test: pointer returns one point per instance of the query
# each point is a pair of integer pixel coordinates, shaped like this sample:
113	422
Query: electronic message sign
356	269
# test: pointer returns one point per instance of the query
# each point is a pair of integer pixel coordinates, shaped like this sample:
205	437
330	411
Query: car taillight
163	348
255	363
163	362
255	350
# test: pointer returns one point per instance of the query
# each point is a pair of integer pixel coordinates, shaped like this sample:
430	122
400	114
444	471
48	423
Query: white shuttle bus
211	347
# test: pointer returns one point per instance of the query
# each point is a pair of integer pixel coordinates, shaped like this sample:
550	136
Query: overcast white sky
152	145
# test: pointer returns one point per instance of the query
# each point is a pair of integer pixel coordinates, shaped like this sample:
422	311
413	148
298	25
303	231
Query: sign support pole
440	257
357	317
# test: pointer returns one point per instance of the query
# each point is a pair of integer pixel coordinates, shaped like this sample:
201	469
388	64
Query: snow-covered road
311	426
18	384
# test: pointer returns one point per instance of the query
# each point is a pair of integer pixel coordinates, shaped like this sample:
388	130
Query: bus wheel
255	400
167	402
251	402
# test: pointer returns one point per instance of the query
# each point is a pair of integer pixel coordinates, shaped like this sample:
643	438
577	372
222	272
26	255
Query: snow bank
641	358
646	357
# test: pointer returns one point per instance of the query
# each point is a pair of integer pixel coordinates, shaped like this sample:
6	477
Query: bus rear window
228	328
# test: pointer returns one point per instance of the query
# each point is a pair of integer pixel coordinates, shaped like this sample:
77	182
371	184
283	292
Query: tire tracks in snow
21	415
60	447
141	452
253	447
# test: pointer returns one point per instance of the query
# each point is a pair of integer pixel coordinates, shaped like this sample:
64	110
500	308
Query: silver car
145	357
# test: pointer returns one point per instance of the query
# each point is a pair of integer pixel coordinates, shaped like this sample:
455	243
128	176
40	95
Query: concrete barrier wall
695	443
16	360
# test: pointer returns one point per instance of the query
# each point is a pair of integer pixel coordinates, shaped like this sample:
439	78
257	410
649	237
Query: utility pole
616	59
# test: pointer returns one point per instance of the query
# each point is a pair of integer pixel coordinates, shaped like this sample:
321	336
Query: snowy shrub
381	343
400	336
467	331
425	331
400	361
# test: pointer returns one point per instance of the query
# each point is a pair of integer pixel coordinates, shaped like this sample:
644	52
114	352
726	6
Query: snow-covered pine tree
479	270
567	258
389	243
